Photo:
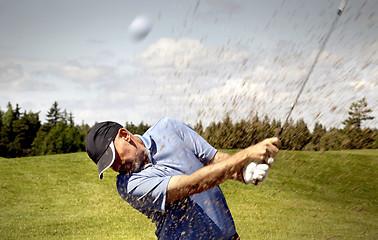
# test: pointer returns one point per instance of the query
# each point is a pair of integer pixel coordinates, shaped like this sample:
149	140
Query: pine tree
225	133
8	136
25	130
319	131
199	128
358	113
71	119
142	128
54	115
3	146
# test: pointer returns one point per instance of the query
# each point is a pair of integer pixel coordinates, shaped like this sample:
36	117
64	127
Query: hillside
308	195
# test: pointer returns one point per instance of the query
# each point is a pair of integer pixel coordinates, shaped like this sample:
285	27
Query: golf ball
140	27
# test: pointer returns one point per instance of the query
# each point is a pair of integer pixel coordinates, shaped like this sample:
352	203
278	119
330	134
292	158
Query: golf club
279	133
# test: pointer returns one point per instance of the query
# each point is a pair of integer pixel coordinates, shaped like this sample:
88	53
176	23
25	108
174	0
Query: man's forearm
221	168
220	156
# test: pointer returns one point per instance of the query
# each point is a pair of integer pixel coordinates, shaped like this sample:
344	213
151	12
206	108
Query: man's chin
125	169
136	168
128	168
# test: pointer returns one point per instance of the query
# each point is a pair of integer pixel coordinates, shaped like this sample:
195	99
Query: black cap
99	144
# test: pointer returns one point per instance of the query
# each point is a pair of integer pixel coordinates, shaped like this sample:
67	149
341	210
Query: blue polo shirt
175	149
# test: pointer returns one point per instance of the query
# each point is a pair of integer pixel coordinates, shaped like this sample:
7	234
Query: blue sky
202	59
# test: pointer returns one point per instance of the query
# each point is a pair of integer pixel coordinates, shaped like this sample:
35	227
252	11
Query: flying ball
140	27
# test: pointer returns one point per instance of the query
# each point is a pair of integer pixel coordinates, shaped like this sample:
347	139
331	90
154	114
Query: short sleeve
145	190
197	144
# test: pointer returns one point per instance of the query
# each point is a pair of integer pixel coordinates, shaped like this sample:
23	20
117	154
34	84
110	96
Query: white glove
255	172
248	172
261	172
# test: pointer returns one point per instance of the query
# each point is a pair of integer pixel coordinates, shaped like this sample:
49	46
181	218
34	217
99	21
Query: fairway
308	195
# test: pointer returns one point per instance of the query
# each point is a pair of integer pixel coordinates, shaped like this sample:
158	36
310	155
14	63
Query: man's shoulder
166	123
168	128
168	120
162	130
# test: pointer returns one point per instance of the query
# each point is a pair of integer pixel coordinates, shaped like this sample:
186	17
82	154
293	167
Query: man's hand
262	151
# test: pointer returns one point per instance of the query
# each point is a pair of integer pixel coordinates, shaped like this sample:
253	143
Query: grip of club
279	132
341	7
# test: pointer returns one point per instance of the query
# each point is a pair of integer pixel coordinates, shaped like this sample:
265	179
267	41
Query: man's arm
220	156
221	168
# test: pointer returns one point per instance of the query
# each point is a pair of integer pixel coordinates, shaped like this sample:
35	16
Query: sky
202	60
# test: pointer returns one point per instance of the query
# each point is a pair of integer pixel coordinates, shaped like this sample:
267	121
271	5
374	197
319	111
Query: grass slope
308	195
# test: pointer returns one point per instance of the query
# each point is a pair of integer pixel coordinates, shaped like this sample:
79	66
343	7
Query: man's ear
124	134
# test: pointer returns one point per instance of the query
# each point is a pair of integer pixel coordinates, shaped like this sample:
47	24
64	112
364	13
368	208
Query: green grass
308	195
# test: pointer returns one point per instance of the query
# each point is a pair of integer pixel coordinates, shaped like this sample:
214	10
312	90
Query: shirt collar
150	145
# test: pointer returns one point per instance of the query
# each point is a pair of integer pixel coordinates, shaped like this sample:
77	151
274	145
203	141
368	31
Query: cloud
190	80
84	73
14	77
35	75
198	79
10	71
187	66
170	77
210	81
188	53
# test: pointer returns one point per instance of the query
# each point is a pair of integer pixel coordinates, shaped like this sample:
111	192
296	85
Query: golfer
172	175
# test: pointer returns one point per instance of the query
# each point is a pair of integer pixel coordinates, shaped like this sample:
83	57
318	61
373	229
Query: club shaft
339	12
341	7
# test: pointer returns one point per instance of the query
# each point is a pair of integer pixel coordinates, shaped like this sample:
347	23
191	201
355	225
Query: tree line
296	135
23	134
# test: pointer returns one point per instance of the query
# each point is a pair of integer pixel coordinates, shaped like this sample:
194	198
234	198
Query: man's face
128	157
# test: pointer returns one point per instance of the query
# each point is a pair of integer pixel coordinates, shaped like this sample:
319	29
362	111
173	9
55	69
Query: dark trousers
235	237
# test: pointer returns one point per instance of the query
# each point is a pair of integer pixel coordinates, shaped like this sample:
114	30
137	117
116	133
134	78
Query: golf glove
253	172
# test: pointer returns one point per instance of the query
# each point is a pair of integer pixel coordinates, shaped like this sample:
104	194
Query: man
171	175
